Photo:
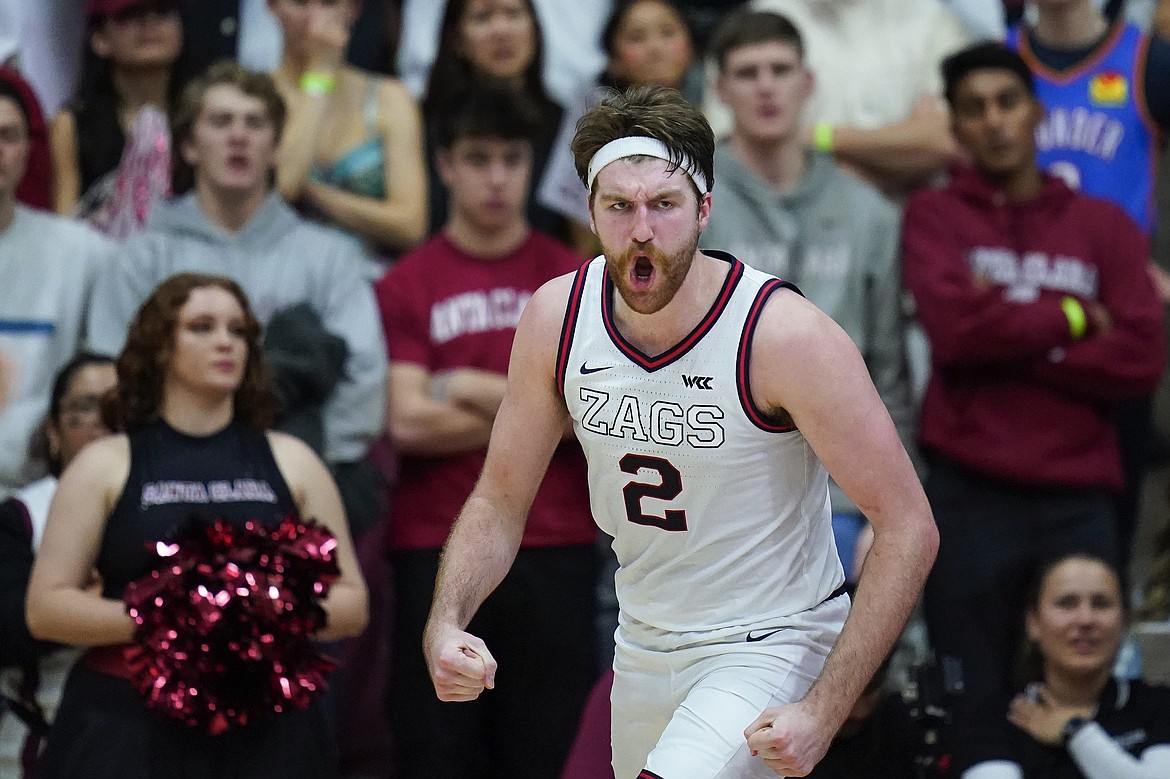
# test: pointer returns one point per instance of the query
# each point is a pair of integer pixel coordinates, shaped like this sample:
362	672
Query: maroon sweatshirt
1011	393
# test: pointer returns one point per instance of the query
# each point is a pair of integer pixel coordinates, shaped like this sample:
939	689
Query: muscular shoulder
790	321
794	332
539	330
549	301
798	354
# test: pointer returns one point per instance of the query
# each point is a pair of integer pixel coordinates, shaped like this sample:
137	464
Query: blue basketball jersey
1098	135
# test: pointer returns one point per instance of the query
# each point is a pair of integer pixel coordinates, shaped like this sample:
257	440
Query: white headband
641	145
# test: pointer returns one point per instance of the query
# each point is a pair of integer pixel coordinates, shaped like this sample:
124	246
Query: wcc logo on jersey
1109	89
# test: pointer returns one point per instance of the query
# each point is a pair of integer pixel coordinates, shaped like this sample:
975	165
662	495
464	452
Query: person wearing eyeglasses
33	672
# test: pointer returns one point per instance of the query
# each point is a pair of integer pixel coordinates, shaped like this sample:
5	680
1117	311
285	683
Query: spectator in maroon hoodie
1041	317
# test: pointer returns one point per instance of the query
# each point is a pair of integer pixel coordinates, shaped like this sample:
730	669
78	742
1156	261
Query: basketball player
710	400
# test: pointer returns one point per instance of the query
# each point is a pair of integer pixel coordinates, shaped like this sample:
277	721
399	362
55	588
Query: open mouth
643	270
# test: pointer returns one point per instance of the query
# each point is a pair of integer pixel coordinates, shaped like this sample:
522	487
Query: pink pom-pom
225	624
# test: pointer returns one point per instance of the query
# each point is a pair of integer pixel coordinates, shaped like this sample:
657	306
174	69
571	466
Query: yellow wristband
823	137
1078	323
316	83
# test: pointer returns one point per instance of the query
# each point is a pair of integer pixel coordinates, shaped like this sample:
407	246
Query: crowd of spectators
968	187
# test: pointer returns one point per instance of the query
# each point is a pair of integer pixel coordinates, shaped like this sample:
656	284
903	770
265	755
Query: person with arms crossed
706	396
450	310
1041	319
1105	88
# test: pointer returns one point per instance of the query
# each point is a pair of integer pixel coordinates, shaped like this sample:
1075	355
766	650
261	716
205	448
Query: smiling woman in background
1075	720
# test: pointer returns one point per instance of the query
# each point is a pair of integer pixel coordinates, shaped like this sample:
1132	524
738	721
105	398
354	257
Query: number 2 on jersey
668	488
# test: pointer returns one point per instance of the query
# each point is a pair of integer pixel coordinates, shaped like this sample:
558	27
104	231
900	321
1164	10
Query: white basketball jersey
720	516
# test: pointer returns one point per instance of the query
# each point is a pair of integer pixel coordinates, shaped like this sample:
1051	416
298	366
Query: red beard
669	272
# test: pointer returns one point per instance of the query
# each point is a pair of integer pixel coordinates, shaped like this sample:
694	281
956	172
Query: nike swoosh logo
587	370
762	636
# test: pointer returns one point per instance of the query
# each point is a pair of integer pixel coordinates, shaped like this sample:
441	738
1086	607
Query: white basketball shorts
681	713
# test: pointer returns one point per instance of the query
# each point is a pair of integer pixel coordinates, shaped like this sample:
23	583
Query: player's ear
704	211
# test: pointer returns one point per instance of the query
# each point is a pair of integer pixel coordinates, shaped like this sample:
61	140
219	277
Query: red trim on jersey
648	775
1063	77
744	357
652	364
569	326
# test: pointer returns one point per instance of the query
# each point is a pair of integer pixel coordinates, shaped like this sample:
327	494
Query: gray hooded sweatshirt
836	238
280	260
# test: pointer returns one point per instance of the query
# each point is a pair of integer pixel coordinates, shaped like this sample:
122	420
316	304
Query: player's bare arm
805	366
486	536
